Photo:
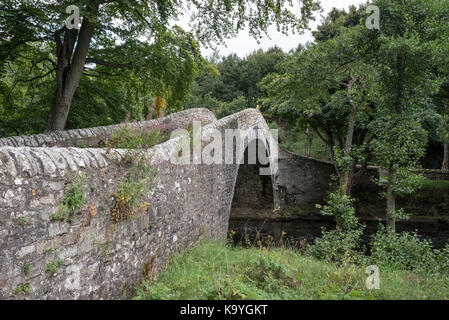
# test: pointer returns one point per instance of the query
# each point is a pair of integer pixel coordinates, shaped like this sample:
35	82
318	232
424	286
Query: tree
327	86
441	101
112	35
231	84
364	92
404	55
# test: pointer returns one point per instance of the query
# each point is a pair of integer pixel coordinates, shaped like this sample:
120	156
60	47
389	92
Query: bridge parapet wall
93	136
101	259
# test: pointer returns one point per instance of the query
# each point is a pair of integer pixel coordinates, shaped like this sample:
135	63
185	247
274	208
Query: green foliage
22	288
27	268
390	76
341	207
215	271
138	182
232	85
399	143
23	220
137	135
408	182
407	251
48	250
341	245
74	199
74	195
62	214
296	139
131	53
53	266
431	200
337	21
338	246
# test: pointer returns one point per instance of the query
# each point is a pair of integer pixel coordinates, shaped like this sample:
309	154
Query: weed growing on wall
48	250
195	137
132	135
136	186
22	288
74	199
138	182
23	220
27	268
53	266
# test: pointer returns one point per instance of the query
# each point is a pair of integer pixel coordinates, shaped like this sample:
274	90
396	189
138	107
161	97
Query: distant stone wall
302	180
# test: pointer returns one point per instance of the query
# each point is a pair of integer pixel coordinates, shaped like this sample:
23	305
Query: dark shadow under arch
253	193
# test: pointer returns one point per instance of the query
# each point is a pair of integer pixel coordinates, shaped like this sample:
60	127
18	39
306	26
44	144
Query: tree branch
129	66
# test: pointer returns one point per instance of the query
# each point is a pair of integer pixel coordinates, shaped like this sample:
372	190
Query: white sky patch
244	44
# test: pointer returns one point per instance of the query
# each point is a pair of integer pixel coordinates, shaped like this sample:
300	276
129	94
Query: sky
244	44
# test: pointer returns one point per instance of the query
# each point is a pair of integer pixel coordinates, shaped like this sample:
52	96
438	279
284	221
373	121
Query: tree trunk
309	141
445	165
391	201
345	183
350	180
70	67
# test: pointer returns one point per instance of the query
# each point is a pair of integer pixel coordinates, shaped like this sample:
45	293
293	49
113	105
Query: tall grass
214	270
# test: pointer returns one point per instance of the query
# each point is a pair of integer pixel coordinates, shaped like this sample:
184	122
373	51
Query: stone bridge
98	259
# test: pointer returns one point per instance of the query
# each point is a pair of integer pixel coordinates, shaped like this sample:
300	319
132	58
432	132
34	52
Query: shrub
442	259
338	246
406	251
341	245
341	207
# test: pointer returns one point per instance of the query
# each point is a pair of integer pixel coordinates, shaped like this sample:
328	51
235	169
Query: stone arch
255	136
253	192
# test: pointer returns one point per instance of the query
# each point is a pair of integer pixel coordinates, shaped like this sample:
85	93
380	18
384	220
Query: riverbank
214	270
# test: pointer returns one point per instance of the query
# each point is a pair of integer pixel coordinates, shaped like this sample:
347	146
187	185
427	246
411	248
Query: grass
214	270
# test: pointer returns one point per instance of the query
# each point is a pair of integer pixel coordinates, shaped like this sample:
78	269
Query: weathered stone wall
103	259
95	136
302	180
252	190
